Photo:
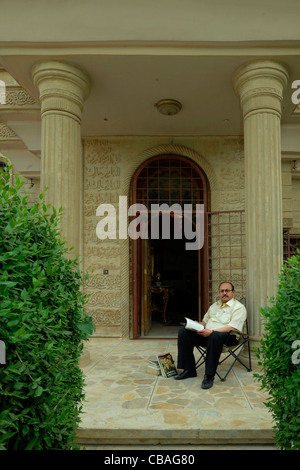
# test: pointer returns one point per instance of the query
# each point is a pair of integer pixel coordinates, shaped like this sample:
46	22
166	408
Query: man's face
226	293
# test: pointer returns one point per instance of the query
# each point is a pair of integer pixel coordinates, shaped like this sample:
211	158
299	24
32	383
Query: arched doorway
169	280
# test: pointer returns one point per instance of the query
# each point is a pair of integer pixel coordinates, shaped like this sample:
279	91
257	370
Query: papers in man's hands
193	325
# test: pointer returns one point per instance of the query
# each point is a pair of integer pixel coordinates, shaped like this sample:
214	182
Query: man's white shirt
231	313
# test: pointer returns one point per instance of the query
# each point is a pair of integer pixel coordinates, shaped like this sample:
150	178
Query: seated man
224	315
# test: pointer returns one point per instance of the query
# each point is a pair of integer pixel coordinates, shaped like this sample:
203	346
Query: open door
183	284
146	274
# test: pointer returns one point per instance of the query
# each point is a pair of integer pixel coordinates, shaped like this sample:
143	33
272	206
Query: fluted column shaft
260	87
63	87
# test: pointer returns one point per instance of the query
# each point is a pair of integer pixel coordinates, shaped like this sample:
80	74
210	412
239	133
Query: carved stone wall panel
101	186
19	97
6	133
94	198
103	281
98	259
106	317
91	236
105	299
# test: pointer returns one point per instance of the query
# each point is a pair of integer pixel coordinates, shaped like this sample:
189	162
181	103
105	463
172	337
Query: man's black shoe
208	382
186	374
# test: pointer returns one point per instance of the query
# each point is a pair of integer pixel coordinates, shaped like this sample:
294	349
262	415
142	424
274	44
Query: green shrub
278	358
43	325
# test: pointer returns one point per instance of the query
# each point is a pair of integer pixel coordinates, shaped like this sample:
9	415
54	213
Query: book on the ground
193	325
153	367
167	365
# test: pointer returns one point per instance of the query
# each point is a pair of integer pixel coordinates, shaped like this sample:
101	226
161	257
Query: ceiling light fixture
168	107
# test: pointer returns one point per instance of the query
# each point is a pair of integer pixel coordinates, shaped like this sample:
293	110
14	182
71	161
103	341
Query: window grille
291	243
226	251
169	180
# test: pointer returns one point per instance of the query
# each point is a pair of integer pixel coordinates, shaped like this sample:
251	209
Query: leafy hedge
278	358
42	323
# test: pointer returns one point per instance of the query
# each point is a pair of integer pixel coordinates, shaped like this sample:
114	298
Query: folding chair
231	351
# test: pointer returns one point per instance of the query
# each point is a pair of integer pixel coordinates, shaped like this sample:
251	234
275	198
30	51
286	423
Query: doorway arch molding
181	151
128	173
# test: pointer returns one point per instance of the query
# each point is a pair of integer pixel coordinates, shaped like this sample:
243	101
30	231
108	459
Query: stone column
260	87
63	87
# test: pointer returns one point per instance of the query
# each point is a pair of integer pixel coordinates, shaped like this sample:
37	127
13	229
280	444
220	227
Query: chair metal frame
231	351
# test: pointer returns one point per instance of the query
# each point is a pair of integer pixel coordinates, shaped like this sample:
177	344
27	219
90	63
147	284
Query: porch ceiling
125	88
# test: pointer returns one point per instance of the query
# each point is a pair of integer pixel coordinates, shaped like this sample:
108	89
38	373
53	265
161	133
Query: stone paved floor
126	405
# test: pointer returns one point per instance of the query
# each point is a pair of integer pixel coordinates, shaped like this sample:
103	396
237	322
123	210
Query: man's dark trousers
188	339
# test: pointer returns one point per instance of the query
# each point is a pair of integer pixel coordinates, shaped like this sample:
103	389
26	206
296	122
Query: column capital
260	86
63	87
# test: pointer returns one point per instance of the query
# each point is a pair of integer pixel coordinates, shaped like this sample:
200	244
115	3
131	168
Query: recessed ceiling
125	89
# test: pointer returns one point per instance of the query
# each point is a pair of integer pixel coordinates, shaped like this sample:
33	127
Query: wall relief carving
101	185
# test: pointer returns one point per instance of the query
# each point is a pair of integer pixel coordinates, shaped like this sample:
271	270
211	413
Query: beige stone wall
296	205
290	197
287	194
102	184
109	164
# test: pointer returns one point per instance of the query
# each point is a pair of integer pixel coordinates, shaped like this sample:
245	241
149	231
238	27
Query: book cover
167	365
